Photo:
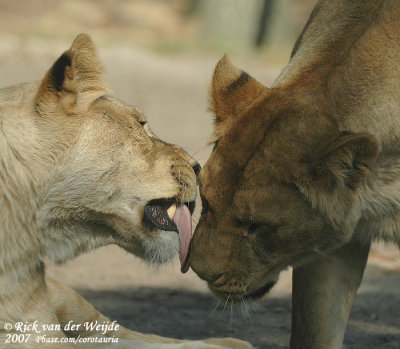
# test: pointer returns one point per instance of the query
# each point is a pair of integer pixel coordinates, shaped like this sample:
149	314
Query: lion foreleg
28	319
73	311
323	294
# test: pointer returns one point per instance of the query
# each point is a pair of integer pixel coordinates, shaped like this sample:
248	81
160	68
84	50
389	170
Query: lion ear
76	78
332	177
232	90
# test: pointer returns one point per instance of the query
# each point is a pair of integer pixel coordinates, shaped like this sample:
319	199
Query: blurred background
159	55
165	25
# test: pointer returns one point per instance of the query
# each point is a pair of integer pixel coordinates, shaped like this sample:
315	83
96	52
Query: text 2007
17	338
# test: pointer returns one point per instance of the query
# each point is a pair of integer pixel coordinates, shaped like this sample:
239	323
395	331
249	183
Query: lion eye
268	228
215	144
142	123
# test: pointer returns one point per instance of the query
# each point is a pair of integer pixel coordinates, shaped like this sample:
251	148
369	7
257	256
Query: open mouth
168	215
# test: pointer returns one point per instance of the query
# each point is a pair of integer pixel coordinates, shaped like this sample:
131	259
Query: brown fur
305	173
77	168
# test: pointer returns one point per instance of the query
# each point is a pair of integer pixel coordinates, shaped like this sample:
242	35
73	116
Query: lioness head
97	174
279	187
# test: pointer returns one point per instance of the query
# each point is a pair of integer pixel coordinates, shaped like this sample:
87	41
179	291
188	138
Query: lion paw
228	343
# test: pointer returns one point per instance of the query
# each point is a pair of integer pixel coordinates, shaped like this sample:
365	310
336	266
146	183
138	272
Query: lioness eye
142	123
268	228
215	144
253	227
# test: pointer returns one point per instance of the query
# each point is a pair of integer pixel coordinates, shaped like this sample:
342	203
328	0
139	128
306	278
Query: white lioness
79	169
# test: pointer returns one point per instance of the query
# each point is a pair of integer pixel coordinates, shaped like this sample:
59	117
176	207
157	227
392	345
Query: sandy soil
172	91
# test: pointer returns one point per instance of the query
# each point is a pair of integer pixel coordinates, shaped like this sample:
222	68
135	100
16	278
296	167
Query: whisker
217	305
226	302
230	326
246	310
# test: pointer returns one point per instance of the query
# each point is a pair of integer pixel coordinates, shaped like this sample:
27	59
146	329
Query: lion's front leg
71	307
73	312
323	294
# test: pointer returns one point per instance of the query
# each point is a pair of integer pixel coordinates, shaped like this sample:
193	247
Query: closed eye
253	227
215	144
264	227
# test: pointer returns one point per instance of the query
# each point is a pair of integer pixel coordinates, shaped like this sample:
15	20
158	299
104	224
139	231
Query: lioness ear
74	79
336	172
232	90
345	161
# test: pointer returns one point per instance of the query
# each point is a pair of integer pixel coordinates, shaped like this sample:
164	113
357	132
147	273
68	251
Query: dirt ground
172	91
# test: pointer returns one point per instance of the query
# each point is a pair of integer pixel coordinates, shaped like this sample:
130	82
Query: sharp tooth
171	211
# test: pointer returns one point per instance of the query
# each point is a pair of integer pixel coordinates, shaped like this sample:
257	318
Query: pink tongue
183	221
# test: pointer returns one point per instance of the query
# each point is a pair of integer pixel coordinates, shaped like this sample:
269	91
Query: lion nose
196	168
208	256
199	264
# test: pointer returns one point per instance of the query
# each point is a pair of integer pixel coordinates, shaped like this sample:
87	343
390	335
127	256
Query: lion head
279	187
87	169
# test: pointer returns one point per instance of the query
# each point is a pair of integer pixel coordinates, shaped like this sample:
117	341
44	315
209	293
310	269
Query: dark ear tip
57	74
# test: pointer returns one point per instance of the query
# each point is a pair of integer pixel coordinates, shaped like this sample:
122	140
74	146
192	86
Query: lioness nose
196	168
209	255
198	262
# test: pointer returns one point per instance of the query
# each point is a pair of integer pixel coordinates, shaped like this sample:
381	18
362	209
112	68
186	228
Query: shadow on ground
194	315
374	323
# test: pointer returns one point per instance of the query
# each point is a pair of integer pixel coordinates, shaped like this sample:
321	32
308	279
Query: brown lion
80	169
306	173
